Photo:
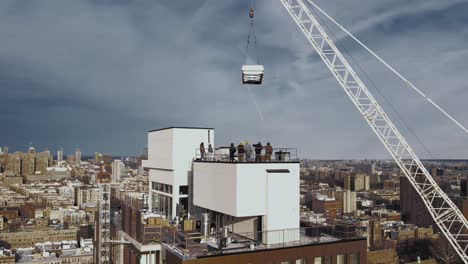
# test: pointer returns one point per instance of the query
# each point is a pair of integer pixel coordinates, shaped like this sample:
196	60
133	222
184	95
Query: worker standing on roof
258	151
232	152
210	152
248	151
268	152
202	151
241	152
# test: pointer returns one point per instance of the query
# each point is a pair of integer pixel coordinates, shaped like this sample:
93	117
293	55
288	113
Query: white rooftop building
243	196
170	155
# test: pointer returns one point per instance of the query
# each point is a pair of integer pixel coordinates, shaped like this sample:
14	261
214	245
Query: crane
445	213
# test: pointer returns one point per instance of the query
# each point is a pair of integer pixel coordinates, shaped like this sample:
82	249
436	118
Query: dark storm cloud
99	74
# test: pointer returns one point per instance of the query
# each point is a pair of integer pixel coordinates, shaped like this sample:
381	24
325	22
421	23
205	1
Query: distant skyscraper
117	170
413	210
60	155
349	201
78	156
5	150
464	187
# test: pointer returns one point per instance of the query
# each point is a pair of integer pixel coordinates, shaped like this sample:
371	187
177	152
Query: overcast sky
99	74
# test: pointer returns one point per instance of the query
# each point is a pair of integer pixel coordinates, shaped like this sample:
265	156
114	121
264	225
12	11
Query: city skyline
146	68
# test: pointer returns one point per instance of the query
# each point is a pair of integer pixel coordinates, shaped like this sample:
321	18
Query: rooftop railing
222	154
190	246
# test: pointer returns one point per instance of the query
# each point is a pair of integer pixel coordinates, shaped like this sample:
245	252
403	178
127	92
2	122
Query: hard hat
242	143
247	142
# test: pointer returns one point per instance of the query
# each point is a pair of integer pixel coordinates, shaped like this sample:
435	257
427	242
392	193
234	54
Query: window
285	262
301	261
354	258
183	190
326	260
318	260
341	259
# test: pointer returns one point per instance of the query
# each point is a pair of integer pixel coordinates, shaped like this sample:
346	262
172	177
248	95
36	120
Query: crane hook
251	13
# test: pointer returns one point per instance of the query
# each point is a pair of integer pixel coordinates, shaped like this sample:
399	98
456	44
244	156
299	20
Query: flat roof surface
174	127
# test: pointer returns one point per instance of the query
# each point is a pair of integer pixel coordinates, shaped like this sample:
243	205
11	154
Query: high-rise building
43	161
78	156
413	210
117	168
358	182
86	194
464	187
13	164
60	156
361	182
349	201
28	163
349	183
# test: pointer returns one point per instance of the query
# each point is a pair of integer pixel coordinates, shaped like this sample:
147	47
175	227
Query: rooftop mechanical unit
252	74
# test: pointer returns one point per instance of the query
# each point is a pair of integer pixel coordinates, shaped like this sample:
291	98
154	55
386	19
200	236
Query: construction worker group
245	152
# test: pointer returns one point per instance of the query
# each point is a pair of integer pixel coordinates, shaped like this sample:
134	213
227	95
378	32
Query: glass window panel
341	259
354	258
318	260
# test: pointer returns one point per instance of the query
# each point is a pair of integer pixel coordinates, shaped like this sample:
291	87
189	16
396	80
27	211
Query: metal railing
222	154
190	246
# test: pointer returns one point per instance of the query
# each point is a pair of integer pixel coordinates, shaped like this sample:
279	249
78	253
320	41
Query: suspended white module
252	74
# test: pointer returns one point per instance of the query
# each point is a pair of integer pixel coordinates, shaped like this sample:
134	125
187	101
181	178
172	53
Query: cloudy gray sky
100	74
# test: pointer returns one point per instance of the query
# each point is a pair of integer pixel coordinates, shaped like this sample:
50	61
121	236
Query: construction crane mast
445	213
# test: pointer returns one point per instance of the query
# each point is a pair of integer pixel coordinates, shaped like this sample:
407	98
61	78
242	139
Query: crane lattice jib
445	213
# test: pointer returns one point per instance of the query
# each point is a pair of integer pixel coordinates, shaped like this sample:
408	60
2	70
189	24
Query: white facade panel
160	150
214	187
242	190
166	177
186	142
282	208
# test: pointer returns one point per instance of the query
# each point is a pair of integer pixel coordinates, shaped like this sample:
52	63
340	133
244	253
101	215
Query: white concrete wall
282	208
166	177
160	149
214	187
186	142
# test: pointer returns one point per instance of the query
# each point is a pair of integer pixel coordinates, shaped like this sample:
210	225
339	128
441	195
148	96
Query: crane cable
252	33
410	84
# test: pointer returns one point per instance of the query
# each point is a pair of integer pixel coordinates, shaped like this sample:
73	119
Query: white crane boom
445	213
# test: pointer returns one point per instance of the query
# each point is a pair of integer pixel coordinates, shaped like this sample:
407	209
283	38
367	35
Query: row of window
165	188
340	259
